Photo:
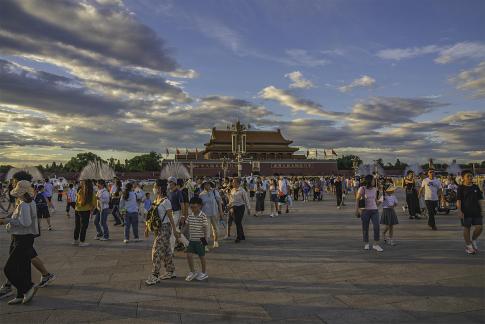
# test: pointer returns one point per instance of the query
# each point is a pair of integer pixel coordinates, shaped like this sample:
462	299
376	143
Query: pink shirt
370	197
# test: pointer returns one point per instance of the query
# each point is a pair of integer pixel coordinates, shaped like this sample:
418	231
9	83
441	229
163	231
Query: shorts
274	198
471	221
43	213
196	247
282	199
49	198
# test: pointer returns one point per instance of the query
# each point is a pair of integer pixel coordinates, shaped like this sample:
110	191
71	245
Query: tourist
306	190
49	189
198	229
296	188
161	249
239	203
24	226
469	211
259	200
60	192
129	206
274	200
369	195
147	204
11	199
115	193
102	199
140	197
71	199
252	189
389	217
42	207
338	191
46	277
177	201
212	208
283	188
412	199
432	190
85	204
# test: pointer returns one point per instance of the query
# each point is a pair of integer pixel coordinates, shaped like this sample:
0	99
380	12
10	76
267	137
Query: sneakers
126	241
152	280
227	238
75	242
6	291
191	276
104	239
207	249
15	301
168	275
271	215
202	276
83	244
215	245
45	280
391	243
469	249
366	247
97	237
29	294
475	245
377	247
137	240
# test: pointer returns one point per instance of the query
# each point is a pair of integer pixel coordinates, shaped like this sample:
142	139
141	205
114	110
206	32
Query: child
42	207
71	199
147	204
469	210
259	200
389	217
198	235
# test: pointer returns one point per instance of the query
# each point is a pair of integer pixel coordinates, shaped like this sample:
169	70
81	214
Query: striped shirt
198	226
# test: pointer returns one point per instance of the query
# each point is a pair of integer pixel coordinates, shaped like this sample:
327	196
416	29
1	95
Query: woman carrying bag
24	227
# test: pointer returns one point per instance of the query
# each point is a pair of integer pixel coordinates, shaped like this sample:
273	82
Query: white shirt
283	186
163	208
389	201
431	188
103	199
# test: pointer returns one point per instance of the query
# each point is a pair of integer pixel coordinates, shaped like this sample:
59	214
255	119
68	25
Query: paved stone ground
304	267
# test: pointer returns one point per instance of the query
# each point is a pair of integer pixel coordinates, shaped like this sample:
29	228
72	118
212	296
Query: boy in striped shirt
198	236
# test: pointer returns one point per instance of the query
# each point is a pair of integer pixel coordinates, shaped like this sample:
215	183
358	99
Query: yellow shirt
85	207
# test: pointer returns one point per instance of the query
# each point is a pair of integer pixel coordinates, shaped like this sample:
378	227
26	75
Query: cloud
286	98
298	81
446	54
363	81
303	57
472	80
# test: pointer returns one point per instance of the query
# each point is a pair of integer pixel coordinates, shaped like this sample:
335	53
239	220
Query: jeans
131	219
81	225
116	214
238	217
431	206
369	215
103	216
18	268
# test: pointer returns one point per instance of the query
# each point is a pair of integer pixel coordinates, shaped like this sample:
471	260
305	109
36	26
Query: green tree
76	163
144	162
346	162
5	168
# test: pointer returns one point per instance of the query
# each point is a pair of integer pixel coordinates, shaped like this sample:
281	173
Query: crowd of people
194	215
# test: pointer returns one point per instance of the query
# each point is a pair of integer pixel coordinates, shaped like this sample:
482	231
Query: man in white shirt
283	193
432	190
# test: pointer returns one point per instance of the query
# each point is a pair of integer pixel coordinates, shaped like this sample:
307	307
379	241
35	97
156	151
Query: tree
346	162
144	162
5	168
78	162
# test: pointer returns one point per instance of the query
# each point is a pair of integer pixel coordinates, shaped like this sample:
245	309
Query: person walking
369	212
102	199
24	226
432	191
115	193
71	199
129	204
212	208
389	216
239	204
85	204
412	199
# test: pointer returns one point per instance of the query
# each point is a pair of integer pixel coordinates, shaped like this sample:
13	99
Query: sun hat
391	189
22	188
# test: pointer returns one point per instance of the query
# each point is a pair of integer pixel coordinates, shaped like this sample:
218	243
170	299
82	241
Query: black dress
412	199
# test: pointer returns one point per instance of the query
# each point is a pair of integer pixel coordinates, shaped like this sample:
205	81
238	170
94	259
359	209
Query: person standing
102	199
239	204
432	190
60	192
369	212
283	189
259	200
85	204
273	190
338	191
71	199
212	208
177	201
470	212
389	217
42	207
49	189
161	249
412	199
129	204
24	226
115	193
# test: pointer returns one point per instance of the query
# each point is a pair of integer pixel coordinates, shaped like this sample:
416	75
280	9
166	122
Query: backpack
153	221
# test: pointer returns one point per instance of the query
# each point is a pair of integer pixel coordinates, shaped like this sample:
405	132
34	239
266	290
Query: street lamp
238	141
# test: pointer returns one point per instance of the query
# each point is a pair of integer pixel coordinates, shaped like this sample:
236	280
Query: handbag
361	203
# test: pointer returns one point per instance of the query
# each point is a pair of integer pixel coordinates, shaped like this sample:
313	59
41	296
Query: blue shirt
176	199
148	203
130	204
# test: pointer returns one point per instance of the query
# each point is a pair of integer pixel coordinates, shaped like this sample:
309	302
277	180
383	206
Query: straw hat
22	188
391	189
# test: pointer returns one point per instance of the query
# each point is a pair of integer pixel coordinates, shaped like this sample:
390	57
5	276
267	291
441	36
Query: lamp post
238	140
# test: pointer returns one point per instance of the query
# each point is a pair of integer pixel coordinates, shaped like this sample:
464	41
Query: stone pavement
304	267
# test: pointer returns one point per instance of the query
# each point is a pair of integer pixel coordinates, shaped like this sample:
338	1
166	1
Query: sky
379	79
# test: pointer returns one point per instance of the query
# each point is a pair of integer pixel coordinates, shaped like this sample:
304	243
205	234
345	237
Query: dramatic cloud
363	81
298	81
446	54
472	80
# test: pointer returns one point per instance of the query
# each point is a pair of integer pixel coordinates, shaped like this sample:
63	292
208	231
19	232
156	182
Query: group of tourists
189	215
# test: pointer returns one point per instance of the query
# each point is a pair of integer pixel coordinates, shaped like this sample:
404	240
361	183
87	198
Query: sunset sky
390	79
